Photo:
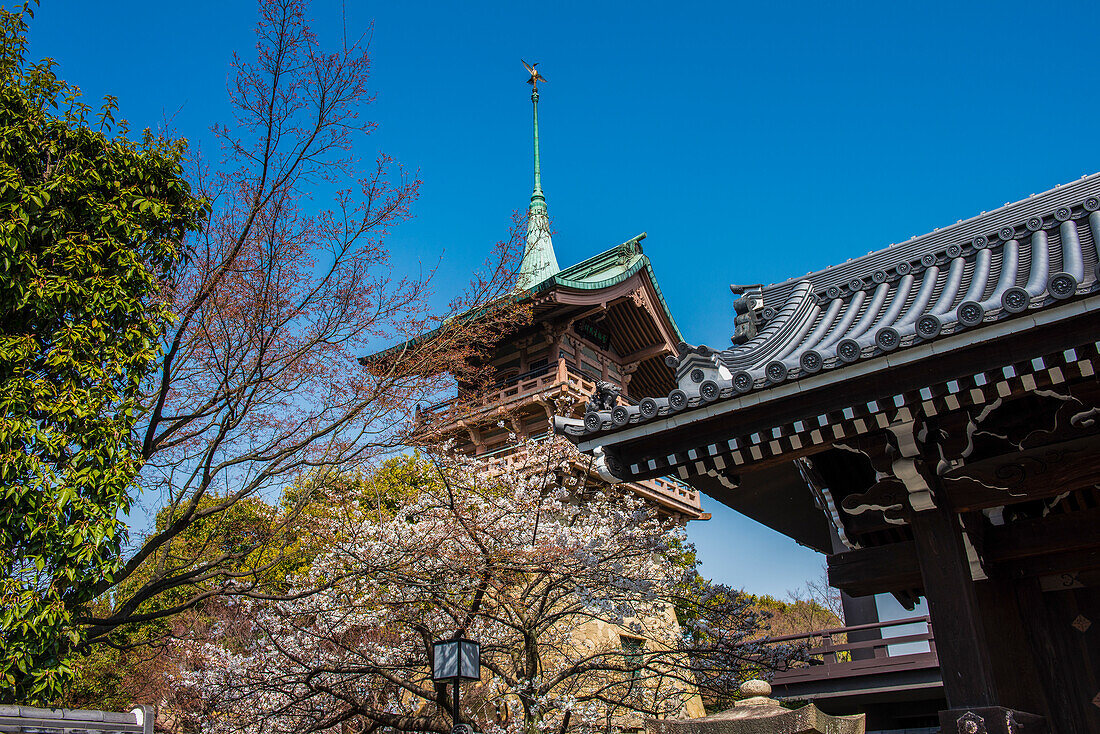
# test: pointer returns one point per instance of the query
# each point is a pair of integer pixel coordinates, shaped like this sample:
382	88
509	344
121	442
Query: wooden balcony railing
668	491
833	653
672	492
555	374
564	377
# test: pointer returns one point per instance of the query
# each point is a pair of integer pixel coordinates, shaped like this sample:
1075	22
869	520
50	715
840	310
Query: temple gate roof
972	280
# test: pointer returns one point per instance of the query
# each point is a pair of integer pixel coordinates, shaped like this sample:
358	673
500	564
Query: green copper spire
539	261
536	195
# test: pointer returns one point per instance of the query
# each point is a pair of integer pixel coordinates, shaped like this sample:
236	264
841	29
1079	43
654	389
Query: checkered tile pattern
721	460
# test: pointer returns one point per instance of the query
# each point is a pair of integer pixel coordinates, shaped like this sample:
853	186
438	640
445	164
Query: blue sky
752	141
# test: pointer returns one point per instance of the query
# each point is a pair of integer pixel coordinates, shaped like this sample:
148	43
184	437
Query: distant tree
817	593
92	228
571	591
800	612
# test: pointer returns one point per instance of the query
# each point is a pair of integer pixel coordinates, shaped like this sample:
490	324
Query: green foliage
101	679
256	545
319	504
91	226
248	544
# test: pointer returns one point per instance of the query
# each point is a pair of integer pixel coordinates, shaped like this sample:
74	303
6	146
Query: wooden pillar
858	610
1065	676
953	608
1014	665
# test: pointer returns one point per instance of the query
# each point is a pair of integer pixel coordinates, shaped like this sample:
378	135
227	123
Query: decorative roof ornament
539	261
748	310
536	77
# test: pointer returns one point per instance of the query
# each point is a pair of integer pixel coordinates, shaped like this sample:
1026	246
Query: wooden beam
1022	476
1072	531
1057	564
876	570
641	355
1036	547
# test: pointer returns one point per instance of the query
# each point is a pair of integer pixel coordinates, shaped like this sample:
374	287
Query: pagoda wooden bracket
475	436
552	333
517	425
546	405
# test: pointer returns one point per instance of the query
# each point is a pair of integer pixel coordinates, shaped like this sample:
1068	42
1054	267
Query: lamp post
456	659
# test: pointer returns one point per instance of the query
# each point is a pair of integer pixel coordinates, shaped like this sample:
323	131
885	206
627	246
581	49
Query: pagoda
928	417
599	324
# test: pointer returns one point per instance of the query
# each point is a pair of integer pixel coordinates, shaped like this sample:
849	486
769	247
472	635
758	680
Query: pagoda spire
539	261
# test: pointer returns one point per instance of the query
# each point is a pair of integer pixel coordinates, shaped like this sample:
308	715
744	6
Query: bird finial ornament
533	70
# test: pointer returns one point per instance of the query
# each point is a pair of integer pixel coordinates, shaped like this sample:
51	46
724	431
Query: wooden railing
834	654
561	373
567	376
670	490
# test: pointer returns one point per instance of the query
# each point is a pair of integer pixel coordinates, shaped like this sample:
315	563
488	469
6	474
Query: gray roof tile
1026	255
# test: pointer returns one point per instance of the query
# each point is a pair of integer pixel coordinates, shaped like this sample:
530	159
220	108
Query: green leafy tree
92	224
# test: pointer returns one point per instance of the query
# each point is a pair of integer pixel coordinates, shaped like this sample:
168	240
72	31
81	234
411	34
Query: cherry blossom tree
259	379
573	592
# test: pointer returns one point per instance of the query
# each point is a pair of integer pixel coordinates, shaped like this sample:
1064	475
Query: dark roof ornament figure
604	397
748	311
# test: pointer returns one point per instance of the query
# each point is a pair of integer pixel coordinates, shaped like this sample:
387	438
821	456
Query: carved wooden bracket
905	466
546	406
901	487
823	497
1006	451
475	435
517	425
553	333
1001	428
